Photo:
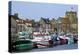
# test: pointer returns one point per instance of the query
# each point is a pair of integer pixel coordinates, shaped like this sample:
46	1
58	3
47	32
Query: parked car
22	45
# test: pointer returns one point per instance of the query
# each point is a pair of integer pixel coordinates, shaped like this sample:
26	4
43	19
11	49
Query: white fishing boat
42	39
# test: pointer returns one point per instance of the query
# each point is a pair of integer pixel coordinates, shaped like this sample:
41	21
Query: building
72	15
68	23
36	27
45	25
21	25
13	29
20	22
64	24
53	23
29	25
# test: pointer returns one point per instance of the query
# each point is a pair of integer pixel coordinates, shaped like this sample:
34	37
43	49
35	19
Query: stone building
68	23
64	24
72	15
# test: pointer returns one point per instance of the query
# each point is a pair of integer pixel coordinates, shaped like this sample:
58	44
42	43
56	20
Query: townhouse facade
45	25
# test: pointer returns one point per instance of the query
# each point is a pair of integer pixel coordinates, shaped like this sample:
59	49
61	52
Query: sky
33	10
